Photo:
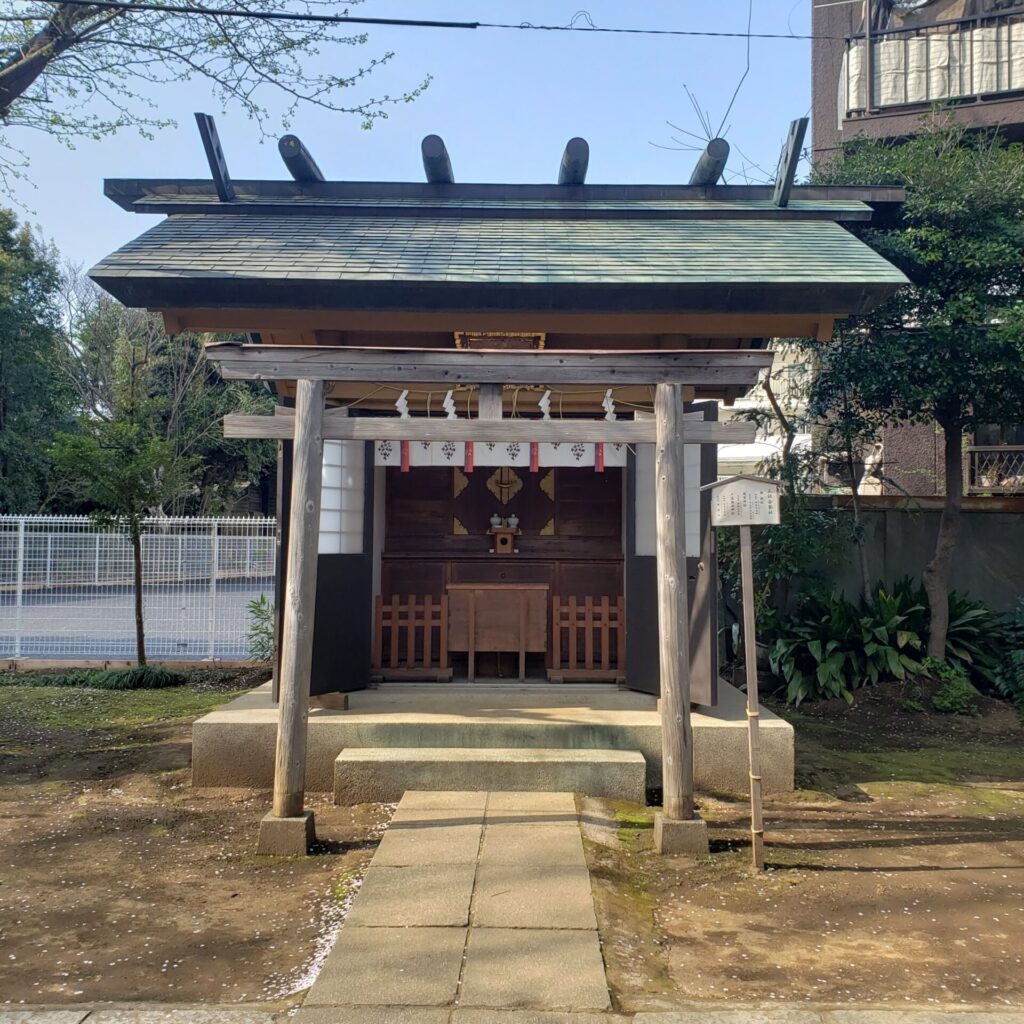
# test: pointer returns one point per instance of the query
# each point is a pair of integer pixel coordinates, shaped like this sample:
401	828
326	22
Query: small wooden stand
497	617
504	539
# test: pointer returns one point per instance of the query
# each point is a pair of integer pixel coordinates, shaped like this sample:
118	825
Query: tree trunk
862	551
19	72
936	575
140	634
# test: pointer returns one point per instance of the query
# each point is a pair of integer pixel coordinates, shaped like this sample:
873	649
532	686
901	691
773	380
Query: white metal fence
66	587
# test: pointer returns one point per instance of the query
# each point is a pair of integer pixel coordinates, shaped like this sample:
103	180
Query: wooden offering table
496	617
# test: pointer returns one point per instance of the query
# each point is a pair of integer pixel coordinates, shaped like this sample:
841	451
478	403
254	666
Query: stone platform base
384	774
234	745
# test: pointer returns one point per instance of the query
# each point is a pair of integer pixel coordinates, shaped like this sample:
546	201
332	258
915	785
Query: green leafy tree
84	71
125	474
808	538
148	438
947	348
35	401
118	350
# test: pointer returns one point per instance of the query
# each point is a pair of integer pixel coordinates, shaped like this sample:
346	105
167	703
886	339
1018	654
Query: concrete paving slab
459	800
370	1015
534	968
410	843
391	967
558	803
480	1016
430	895
181	1015
761	1015
426	816
42	1016
548	844
533	896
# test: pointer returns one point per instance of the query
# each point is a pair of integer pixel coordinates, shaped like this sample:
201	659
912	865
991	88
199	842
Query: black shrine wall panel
343	618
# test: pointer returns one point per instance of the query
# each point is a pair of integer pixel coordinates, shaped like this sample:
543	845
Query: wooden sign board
744	501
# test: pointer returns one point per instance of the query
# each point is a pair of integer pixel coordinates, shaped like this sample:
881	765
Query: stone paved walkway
471	900
716	1013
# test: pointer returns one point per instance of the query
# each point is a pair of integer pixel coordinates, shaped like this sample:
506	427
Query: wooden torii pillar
289	828
677	829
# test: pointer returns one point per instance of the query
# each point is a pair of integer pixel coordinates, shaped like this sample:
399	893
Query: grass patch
138	677
69	708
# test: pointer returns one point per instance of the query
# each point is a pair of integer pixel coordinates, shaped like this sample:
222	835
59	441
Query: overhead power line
337	19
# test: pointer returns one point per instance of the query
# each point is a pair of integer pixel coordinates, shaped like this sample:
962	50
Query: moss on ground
822	768
63	708
634	823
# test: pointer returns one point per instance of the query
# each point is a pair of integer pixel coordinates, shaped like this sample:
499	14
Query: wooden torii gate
289	828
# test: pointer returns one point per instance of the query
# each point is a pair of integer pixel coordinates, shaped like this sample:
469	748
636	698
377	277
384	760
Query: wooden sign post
746	501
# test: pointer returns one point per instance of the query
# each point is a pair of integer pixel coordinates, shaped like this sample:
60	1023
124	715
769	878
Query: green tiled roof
423	249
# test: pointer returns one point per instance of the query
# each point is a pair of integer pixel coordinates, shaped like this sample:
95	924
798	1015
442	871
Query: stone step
370	774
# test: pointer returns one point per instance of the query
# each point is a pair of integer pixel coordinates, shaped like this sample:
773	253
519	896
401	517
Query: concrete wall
989	562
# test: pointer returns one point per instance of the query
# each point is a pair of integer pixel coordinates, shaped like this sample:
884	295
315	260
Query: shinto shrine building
468	377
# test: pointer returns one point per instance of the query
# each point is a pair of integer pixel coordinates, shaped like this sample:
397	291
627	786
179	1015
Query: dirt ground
896	870
895	875
119	881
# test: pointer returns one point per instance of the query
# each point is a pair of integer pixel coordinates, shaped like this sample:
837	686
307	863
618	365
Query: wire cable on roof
337	19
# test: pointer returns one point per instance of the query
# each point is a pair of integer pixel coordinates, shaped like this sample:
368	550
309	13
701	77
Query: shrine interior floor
234	745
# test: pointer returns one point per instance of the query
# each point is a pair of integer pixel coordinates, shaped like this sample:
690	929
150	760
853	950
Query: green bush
813	654
955	695
1009	681
138	677
977	640
261	629
832	646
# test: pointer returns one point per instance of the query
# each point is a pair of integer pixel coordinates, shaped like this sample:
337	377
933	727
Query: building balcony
994	469
965	60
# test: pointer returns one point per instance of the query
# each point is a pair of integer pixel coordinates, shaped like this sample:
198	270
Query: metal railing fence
67	592
951	60
994	469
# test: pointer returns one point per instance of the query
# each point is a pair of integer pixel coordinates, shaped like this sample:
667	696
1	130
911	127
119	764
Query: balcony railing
994	469
952	60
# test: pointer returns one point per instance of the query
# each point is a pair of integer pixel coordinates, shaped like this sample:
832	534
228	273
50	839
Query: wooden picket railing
588	639
404	645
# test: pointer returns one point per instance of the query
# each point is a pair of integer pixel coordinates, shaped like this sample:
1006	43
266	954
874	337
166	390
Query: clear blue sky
504	101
